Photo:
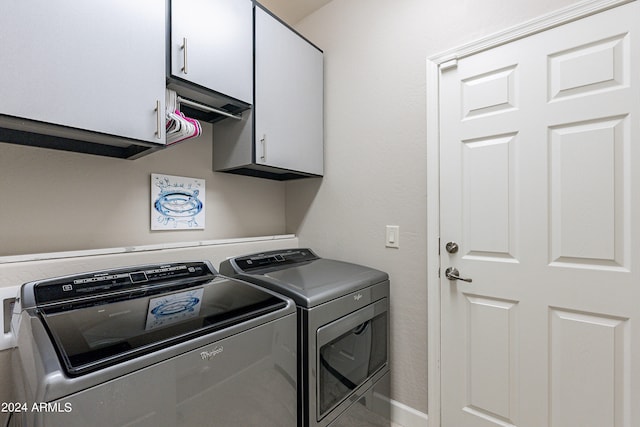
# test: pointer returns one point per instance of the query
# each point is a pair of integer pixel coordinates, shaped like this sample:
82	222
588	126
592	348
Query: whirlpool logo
357	297
210	354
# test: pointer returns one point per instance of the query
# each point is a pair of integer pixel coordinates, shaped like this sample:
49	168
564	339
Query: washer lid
310	280
139	317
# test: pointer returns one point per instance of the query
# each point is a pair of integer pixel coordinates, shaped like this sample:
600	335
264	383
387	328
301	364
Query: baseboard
406	416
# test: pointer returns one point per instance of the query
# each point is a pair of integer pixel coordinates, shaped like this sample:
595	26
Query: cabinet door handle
263	147
184	54
158	120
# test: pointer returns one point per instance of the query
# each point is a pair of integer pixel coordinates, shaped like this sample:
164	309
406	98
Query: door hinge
452	63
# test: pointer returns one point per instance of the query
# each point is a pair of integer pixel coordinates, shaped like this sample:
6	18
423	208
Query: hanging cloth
178	126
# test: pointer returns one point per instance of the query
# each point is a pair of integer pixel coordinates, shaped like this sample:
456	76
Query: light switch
393	236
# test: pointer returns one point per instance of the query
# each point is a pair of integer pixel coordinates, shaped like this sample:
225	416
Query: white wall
375	152
57	201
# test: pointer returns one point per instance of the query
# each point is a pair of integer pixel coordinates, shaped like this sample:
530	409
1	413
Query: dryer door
350	351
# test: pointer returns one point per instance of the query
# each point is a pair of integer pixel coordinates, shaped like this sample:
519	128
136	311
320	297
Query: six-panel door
540	165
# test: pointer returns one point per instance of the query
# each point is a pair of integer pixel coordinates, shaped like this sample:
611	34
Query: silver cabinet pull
453	274
263	147
158	120
184	54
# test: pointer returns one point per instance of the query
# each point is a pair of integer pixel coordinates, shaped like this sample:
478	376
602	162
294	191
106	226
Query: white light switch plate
393	236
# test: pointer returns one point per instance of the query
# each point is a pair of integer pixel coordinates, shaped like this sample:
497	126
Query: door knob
453	274
452	247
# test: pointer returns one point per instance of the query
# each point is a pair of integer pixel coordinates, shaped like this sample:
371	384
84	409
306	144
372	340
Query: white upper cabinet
281	137
288	99
90	65
211	45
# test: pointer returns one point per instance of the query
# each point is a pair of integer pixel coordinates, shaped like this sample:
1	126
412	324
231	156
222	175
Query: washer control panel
96	283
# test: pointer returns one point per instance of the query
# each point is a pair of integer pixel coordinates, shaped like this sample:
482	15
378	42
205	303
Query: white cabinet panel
95	66
281	137
219	45
288	99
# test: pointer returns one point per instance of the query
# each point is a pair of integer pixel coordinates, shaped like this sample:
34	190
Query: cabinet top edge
264	8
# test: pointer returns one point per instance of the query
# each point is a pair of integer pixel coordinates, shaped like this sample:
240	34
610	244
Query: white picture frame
177	203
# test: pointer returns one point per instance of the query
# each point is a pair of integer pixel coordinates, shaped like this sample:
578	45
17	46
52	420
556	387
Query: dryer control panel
251	263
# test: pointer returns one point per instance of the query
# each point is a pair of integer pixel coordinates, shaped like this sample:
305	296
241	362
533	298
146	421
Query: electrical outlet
393	236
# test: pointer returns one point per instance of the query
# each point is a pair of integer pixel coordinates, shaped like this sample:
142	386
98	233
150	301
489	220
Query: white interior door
540	189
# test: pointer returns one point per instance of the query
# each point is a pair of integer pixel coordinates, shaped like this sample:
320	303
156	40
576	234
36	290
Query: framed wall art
177	203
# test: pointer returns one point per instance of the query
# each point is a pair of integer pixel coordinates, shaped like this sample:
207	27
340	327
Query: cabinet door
93	65
288	99
218	35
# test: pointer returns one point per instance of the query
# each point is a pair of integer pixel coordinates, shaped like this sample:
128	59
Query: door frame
435	65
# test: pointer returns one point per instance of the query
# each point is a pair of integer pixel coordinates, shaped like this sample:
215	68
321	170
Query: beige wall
56	201
375	152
